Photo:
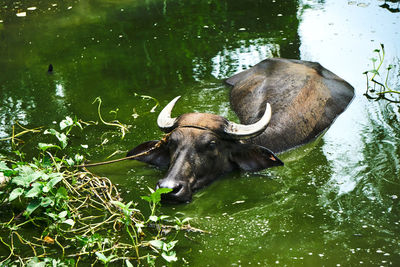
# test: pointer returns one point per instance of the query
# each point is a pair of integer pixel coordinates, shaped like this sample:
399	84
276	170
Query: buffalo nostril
178	192
177	188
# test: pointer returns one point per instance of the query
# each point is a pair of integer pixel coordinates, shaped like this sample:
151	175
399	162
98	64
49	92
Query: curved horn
164	120
241	131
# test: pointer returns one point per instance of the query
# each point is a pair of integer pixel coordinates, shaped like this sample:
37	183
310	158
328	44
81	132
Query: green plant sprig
147	97
123	128
384	89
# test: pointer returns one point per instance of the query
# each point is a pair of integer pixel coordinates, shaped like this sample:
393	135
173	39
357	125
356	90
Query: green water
336	200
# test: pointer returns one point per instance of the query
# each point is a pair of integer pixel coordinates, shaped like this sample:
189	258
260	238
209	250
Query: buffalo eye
212	144
172	144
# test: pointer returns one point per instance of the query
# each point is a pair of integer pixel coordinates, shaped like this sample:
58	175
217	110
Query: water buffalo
199	147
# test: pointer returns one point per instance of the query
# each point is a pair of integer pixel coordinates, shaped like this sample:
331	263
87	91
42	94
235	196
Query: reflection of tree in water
382	154
150	48
190	34
392	5
374	179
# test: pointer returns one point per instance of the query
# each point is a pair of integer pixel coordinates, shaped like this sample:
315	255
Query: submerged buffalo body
304	97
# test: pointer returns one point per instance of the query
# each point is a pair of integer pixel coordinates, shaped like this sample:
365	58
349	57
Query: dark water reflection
116	49
336	201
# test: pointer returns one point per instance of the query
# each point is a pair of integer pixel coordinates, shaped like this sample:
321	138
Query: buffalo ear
157	155
254	158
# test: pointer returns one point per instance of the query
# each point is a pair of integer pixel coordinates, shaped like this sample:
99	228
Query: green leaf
63	214
26	176
20	181
128	263
186	219
51	131
70	222
44	146
119	204
55	179
62	193
15	193
169	258
35	203
35	191
78	124
78	158
125	207
43	175
83	239
151	260
70	161
60	136
374	72
46	189
139	227
163	190
5	172
156	196
101	256
63	140
153	218
66	123
35	262
157	243
148	199
52	215
3	166
172	244
46	201
24	169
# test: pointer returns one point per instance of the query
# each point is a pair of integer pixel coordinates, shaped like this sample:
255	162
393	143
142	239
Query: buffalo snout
180	190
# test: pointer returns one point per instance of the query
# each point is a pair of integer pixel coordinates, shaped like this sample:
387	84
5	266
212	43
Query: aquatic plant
380	89
54	213
123	128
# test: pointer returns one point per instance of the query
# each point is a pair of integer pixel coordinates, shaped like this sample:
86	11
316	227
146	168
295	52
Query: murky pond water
335	202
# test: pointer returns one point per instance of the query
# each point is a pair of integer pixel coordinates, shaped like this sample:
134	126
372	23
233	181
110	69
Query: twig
162	141
26	130
100	224
10	247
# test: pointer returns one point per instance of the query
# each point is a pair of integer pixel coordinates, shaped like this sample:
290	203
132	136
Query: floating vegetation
157	103
115	123
376	87
54	213
14	136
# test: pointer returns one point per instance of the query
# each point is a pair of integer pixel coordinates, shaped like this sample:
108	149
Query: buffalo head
200	147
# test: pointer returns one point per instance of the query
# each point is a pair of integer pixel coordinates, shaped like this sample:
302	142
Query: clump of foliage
54	214
377	88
